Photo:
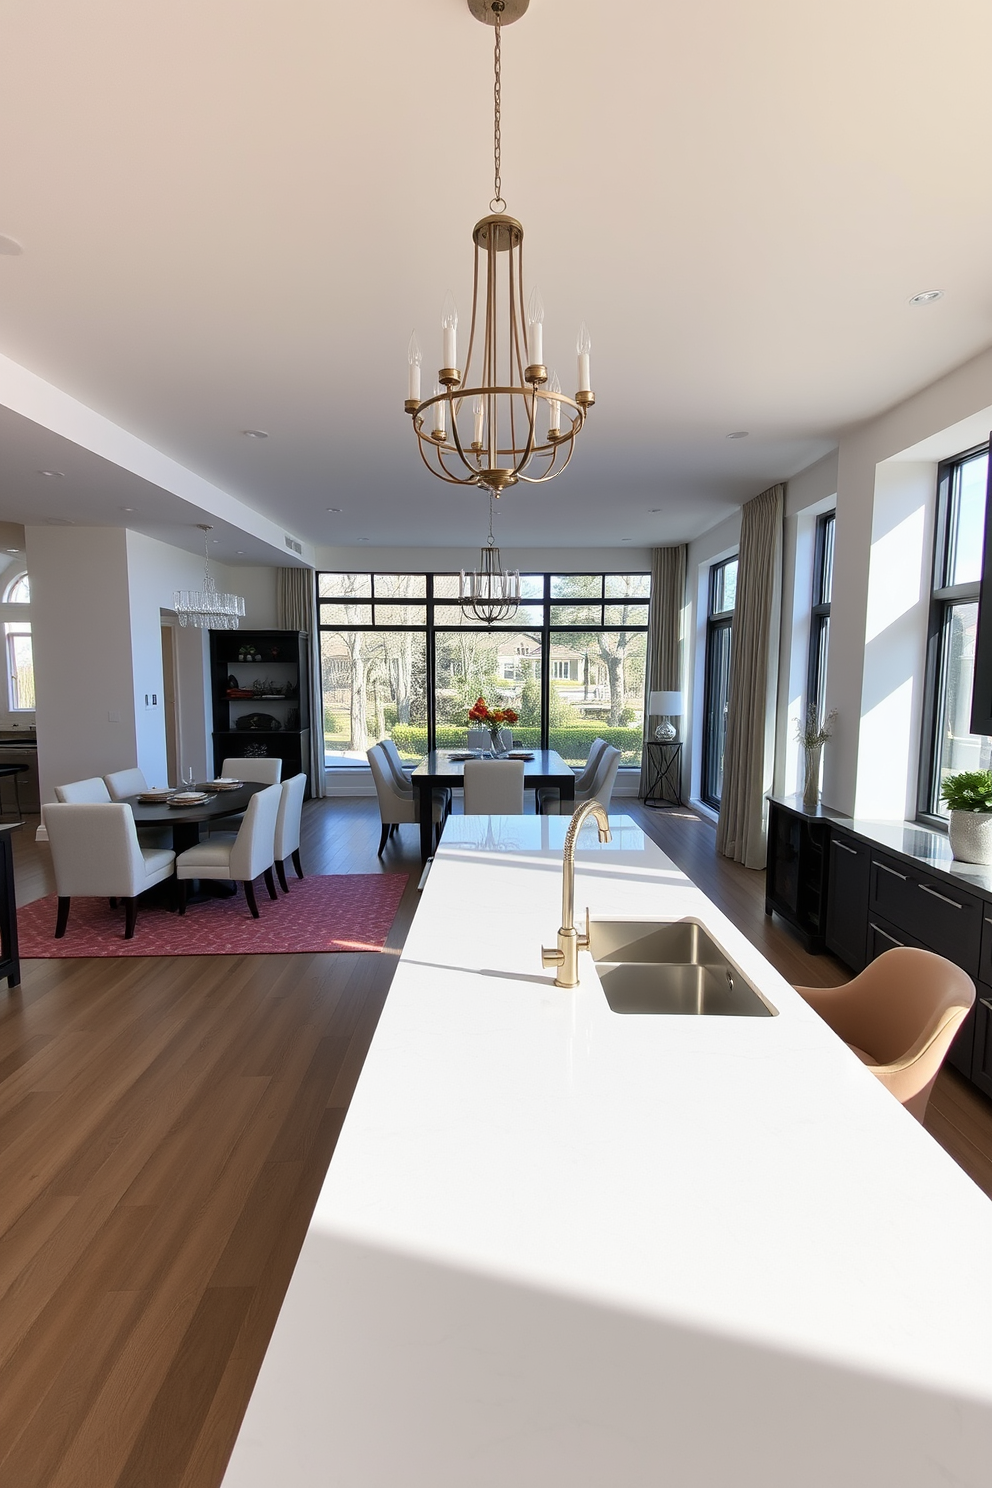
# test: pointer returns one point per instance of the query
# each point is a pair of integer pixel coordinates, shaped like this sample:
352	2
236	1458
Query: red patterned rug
330	912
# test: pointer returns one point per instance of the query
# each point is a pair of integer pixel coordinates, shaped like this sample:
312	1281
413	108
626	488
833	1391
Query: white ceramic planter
970	836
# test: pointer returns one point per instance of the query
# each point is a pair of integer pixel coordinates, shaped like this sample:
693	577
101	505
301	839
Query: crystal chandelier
207	608
487	593
501	421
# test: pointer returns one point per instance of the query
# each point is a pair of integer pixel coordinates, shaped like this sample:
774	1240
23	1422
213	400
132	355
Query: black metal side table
665	766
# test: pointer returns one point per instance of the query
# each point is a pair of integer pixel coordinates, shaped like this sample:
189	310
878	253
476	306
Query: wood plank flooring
166	1126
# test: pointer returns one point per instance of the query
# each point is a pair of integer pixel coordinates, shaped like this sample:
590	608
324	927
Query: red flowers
480	712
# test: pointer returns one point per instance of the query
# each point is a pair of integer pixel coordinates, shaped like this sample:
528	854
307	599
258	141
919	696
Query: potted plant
812	735
969	797
491	718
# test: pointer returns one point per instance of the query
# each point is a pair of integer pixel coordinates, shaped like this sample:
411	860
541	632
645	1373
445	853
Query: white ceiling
234	211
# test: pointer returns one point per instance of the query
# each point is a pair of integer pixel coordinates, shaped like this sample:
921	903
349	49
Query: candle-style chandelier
489	593
501	421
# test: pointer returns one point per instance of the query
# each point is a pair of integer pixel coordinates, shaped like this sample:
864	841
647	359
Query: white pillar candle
439	410
535	328
449	329
414	358
583	346
554	407
478	408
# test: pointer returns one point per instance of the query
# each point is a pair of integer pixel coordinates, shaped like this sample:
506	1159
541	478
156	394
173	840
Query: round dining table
186	821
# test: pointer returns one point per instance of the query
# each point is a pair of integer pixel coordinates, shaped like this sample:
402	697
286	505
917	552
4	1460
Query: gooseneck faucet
566	954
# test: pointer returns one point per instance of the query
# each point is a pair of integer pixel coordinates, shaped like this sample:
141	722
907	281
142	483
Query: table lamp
665	706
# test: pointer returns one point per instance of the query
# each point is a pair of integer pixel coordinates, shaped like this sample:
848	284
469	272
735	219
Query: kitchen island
566	1247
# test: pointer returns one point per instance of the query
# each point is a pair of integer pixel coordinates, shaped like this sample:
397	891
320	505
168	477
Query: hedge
572	743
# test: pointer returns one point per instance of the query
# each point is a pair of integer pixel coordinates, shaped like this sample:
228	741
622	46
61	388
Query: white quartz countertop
558	1244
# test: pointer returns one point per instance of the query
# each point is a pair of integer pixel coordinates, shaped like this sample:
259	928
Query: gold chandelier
501	421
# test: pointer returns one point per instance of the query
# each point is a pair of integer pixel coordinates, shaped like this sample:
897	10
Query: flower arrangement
491	718
812	734
969	790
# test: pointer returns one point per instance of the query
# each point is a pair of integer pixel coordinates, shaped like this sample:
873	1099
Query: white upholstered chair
267	771
240	857
83	792
96	854
494	788
587	774
287	842
599	788
400	773
123	783
395	806
479	738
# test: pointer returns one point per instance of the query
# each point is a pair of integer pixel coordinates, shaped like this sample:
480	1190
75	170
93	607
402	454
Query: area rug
329	912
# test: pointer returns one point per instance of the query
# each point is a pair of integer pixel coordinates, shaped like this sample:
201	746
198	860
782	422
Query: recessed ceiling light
656	509
738	434
240	553
12	550
926	297
127	508
334	508
626	539
364	539
254	433
52	474
10	246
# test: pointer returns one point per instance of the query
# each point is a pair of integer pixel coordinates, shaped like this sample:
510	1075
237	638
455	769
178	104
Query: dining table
447	767
185	821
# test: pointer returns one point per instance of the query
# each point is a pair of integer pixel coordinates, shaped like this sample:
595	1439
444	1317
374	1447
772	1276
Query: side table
665	773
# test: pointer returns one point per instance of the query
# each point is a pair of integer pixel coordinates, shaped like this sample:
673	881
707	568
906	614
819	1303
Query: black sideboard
857	888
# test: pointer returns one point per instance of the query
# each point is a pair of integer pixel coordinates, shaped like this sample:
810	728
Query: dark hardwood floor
167	1124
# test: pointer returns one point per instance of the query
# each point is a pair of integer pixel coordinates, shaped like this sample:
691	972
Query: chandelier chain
497	204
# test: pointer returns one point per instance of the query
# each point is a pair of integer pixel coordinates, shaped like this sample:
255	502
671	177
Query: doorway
170	698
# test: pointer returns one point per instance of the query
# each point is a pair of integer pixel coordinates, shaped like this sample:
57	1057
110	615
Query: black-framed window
819	623
948	743
719	619
400	659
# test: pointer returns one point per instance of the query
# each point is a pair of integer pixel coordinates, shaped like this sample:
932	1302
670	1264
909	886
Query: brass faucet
566	954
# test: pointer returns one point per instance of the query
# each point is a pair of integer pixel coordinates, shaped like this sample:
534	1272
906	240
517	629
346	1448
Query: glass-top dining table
438	768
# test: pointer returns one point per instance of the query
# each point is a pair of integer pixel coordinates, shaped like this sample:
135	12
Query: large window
949	745
722	596
19	649
819	625
400	659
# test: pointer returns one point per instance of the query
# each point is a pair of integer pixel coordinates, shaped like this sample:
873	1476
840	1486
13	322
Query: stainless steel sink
653	966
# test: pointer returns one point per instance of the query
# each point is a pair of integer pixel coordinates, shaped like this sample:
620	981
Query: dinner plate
463	755
225	783
156	795
519	754
190	798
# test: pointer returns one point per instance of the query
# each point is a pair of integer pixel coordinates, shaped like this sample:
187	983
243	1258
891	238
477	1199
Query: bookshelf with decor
259	682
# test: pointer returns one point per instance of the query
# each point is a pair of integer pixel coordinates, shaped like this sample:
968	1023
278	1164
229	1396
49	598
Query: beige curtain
664	666
749	752
296	609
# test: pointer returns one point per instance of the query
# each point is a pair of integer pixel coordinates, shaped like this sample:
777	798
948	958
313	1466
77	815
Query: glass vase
811	788
495	742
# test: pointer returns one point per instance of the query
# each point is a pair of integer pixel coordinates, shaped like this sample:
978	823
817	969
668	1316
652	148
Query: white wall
884	526
81	626
98	594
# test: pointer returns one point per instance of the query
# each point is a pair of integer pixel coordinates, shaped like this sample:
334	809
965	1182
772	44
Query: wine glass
188	778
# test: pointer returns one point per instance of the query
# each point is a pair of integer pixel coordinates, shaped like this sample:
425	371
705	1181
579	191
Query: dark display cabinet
260	684
796	878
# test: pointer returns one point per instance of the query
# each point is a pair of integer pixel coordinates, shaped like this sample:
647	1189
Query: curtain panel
664	668
296	609
749	751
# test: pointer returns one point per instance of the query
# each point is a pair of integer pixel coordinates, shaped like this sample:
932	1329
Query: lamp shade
665	705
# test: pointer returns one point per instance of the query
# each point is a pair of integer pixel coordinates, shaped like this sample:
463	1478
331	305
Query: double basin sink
649	966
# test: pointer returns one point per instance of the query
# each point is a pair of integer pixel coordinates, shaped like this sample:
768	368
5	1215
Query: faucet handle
553	957
584	935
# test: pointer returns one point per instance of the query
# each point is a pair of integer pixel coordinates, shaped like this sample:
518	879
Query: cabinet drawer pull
844	848
986	1003
886	869
987	920
886	936
928	890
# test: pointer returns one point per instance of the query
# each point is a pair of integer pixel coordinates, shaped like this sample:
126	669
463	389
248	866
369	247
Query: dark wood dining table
186	821
438	768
